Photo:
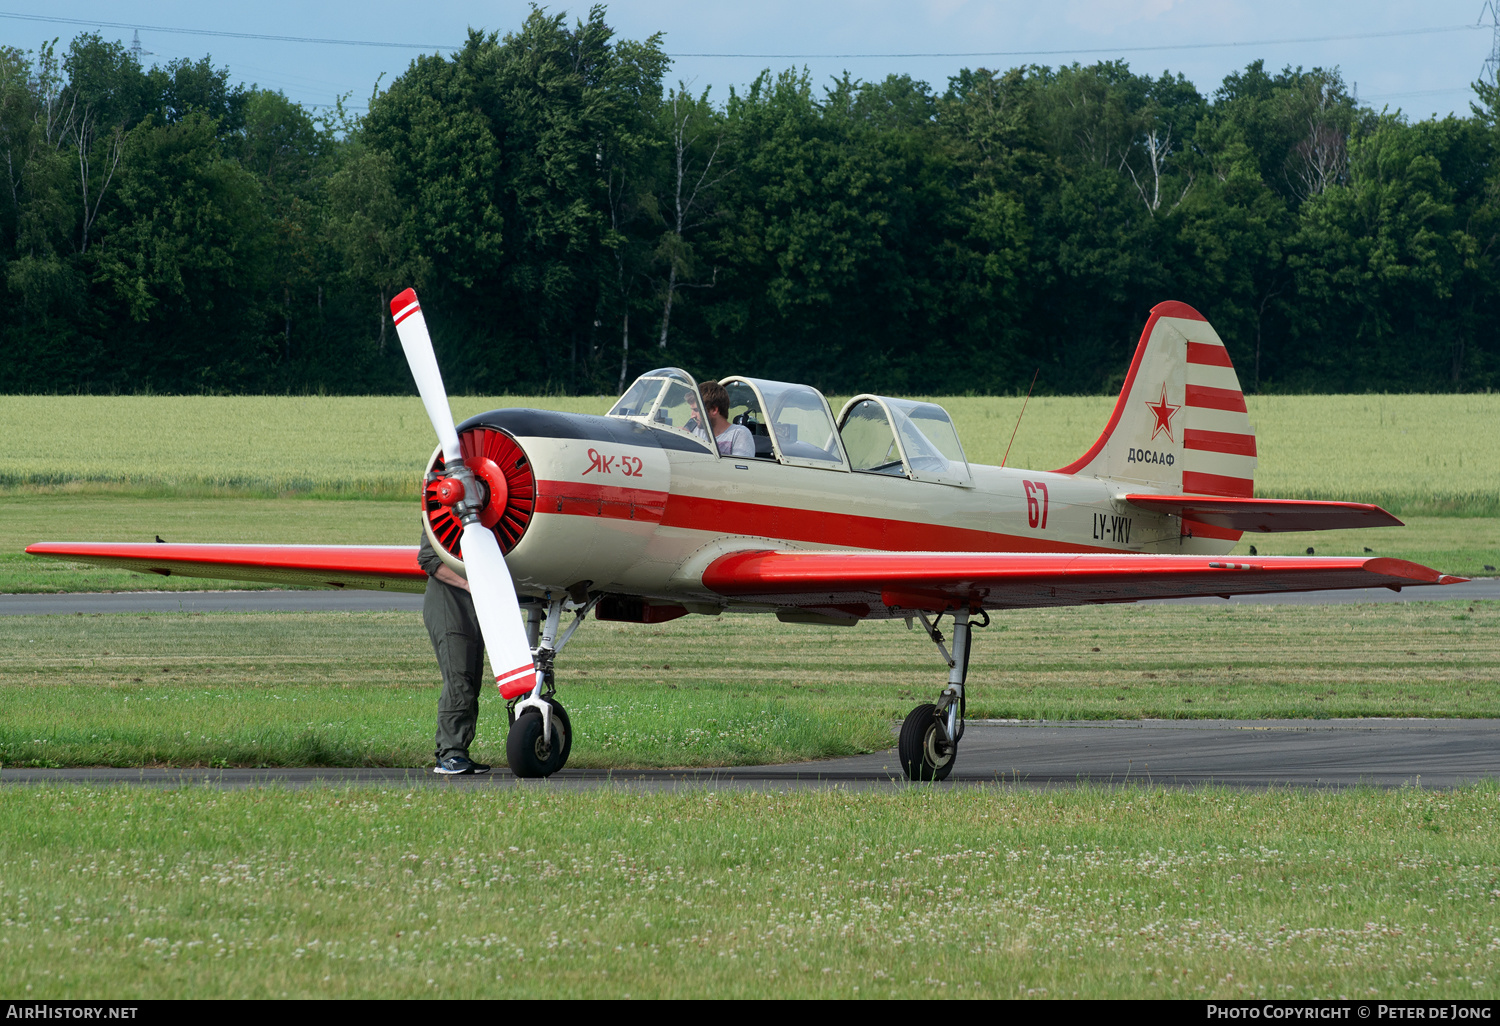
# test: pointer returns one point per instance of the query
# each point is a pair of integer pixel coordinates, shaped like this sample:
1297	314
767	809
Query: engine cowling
508	487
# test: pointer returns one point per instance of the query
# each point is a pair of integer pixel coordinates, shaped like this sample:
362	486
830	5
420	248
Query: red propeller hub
487	471
447	491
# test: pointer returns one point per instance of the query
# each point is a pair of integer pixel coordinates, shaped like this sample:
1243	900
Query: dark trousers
448	613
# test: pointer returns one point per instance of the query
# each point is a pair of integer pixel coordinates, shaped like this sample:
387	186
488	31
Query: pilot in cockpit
732	439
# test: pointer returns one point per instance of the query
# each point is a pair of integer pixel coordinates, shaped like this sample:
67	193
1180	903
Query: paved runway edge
1193	753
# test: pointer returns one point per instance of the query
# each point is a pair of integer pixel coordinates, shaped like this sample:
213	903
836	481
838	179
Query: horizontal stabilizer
377	567
873	583
1267	515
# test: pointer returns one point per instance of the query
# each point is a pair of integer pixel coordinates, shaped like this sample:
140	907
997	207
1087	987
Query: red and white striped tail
1180	425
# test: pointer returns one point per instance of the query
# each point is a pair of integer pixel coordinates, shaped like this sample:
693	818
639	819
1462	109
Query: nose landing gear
928	743
537	749
541	734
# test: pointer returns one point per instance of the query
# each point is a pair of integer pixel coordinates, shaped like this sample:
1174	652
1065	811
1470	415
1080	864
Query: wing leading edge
377	567
869	583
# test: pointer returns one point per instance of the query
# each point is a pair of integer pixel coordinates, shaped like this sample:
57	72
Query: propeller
490	582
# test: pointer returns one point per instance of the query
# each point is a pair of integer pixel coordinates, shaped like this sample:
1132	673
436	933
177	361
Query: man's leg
448	613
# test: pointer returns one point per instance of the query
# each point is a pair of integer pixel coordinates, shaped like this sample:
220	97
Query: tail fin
1179	427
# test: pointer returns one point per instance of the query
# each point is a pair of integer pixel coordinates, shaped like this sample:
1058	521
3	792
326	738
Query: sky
1420	58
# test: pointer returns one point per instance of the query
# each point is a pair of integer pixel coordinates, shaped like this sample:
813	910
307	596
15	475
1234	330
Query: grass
256	446
1465	546
92	517
529	892
361	688
1417	455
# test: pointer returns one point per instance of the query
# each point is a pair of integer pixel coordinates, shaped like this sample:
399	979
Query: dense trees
572	220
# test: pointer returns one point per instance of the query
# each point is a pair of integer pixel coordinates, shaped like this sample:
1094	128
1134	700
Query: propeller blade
490	582
498	611
411	327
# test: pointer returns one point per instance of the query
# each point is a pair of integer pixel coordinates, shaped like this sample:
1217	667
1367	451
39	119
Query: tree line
571	220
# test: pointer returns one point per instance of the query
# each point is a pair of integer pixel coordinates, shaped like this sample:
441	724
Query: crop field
349	689
1414	454
917	893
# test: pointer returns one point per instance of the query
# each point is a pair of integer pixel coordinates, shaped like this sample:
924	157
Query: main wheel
532	755
924	755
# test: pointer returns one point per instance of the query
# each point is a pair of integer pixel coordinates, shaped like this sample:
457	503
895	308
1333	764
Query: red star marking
1162	411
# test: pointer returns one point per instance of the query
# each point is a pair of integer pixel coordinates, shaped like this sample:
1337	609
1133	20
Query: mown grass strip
1414	454
531	892
361	688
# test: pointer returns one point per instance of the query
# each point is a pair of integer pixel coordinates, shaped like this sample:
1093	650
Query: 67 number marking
1036	511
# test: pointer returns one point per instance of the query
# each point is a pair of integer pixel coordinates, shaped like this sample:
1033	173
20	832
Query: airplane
872	514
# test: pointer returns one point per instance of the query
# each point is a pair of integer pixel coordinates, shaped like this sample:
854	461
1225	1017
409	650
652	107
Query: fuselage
625	508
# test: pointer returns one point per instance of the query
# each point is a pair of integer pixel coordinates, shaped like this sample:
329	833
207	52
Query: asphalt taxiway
1164	753
1244	753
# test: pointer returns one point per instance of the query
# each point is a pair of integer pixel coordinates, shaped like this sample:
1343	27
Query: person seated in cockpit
732	439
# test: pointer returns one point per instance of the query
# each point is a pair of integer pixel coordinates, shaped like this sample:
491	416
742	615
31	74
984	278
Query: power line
1097	50
221	33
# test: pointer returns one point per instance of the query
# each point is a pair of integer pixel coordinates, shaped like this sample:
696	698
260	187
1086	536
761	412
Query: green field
1414	454
53	516
529	892
916	893
252	469
361	688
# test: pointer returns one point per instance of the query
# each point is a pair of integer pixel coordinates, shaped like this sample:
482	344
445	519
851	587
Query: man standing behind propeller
448	613
493	617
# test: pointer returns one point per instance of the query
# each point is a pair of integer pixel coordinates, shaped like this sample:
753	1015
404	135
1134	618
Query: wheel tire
918	746
560	720
525	749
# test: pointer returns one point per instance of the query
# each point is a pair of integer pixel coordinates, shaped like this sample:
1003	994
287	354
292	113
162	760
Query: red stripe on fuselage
1219	441
1192	528
613	502
818	527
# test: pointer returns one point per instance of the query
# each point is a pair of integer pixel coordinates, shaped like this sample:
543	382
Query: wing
1267	514
853	583
387	567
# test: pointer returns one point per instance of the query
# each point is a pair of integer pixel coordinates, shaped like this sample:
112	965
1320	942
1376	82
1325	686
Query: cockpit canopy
666	398
790	423
904	438
793	424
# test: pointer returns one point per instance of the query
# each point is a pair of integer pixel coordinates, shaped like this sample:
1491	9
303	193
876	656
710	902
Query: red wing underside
846	582
873	583
378	567
1265	515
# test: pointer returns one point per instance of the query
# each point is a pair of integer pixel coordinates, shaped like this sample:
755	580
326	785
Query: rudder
1180	424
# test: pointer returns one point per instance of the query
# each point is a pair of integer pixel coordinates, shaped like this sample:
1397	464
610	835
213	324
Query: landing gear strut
541	735
928	743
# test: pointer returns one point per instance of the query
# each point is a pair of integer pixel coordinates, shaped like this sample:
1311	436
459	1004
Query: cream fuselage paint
637	518
564	545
